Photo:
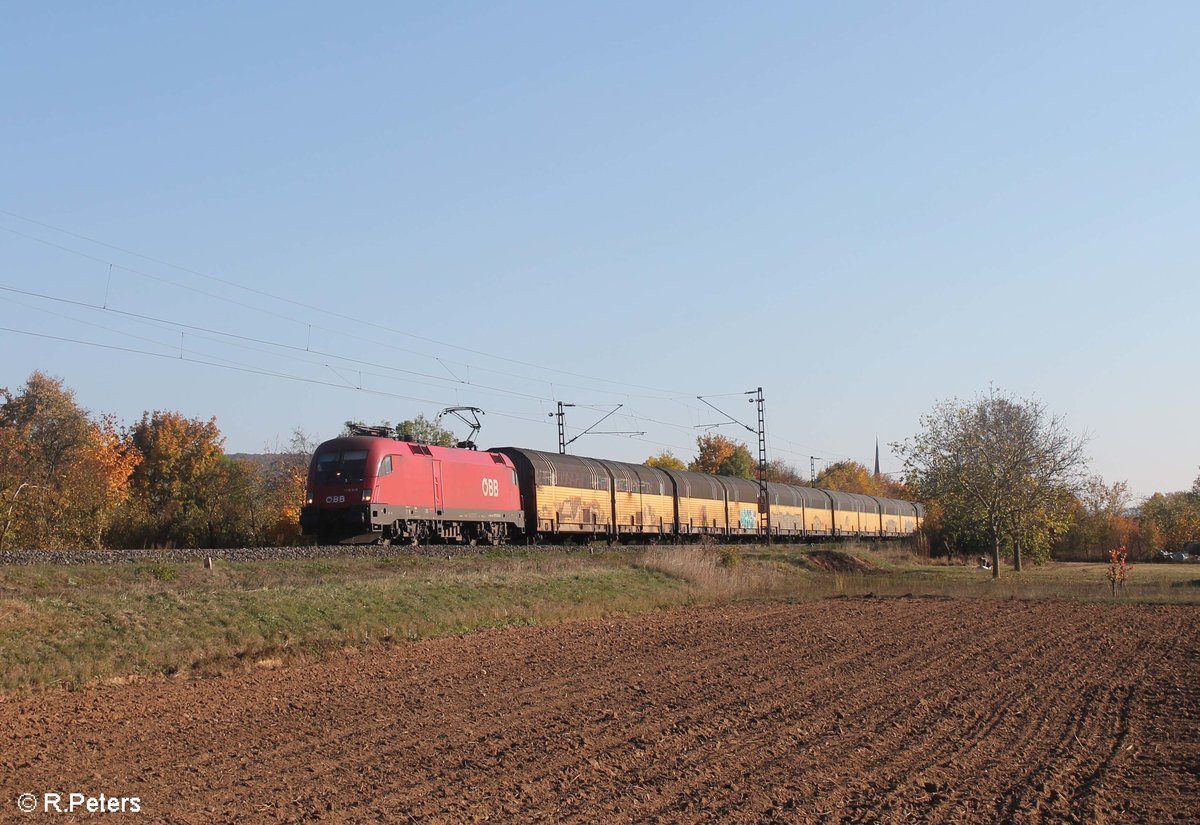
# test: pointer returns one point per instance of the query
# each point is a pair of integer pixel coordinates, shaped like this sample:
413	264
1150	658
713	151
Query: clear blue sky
864	208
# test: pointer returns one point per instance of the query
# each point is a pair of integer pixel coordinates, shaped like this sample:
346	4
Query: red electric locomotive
368	489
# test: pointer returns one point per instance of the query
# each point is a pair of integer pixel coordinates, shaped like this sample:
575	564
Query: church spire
876	456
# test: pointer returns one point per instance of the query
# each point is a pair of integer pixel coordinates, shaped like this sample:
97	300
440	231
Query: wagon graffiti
575	511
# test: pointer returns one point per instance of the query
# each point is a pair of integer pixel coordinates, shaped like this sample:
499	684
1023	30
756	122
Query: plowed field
841	710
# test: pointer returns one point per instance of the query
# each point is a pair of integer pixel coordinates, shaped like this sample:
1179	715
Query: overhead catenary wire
308	325
277	344
263	293
162	323
635	416
175	349
677	397
249	369
223	363
330	330
455	380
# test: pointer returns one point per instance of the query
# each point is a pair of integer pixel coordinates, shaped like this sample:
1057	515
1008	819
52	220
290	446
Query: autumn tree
15	479
178	484
849	477
101	486
741	464
49	419
780	472
70	480
227	508
712	450
1001	463
1033	528
1100	521
666	460
283	478
1172	520
62	475
718	455
45	430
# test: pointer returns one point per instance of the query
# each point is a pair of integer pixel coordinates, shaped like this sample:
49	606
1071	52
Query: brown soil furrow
670	714
1084	798
939	741
482	746
361	738
1094	731
1063	749
371	746
611	734
475	762
785	733
903	721
842	710
594	748
1061	783
758	731
1021	750
751	741
1146	779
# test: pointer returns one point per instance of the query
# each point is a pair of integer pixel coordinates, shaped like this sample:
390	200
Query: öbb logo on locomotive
414	493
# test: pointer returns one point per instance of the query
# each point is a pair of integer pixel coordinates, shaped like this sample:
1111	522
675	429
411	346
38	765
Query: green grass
70	626
73	625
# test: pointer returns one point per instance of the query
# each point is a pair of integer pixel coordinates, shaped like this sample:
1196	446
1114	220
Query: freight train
365	488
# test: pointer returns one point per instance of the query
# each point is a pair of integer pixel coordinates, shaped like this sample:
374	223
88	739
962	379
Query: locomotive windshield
346	467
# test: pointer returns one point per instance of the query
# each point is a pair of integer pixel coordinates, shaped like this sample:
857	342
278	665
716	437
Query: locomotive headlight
308	497
366	496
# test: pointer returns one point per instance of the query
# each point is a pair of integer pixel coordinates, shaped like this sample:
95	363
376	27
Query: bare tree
999	461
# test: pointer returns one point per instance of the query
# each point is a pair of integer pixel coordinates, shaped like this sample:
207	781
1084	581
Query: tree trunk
9	519
995	554
1017	556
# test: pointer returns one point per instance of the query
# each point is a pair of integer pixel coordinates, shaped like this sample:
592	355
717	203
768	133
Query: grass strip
83	624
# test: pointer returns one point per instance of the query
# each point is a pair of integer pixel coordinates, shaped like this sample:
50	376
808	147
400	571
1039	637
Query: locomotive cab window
347	467
385	466
327	460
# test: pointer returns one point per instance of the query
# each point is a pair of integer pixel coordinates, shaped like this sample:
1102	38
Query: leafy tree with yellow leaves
849	477
666	460
62	475
177	483
723	456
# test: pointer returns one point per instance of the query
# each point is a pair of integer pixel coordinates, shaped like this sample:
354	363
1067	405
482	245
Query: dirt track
861	710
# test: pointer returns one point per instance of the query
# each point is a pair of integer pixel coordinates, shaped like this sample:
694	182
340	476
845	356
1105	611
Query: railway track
324	551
